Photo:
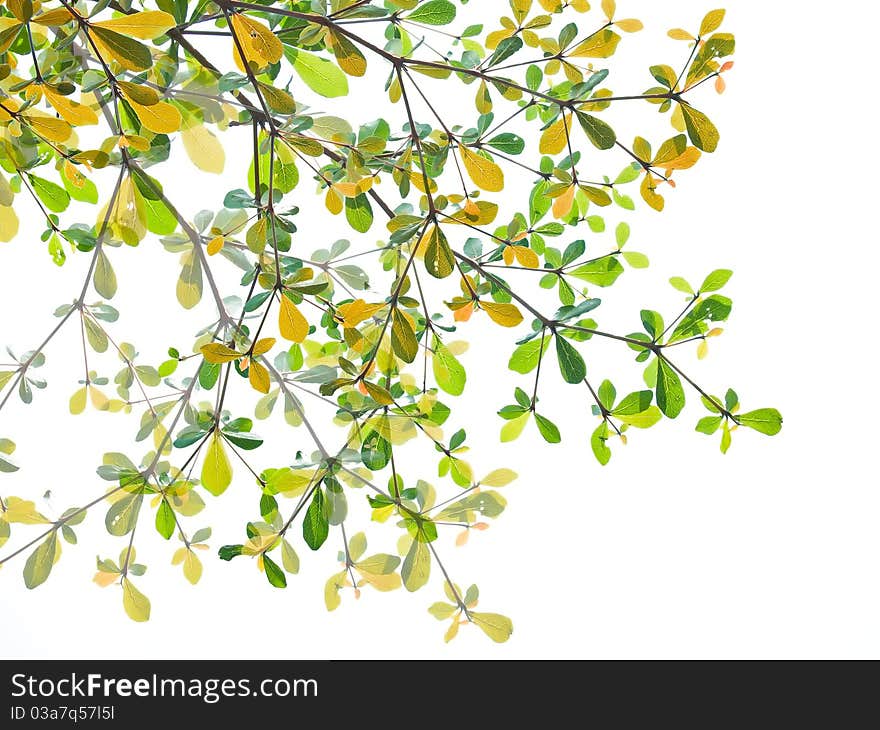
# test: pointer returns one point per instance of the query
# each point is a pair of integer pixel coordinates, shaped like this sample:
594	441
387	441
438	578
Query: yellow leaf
215	245
680	35
261	347
259	377
55	130
526	257
147	25
104	579
23	512
562	205
260	45
293	325
702	350
58	16
203	148
192	567
138	93
353	313
608	7
599	45
555	137
507	315
71	111
711	22
498	478
218	353
485	173
78	402
136	604
630	25
216	471
452	631
161	117
8	223
494	625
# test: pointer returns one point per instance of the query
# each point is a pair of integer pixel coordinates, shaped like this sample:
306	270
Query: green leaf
439	260
316	525
508	143
359	213
165	522
39	564
644	419
416	566
104	277
700	129
597	131
670	393
403	338
716	280
512	429
274	574
602	272
122	515
571	364
548	429
433	12
320	75
764	420
448	371
708	425
525	357
53	196
681	285
598	443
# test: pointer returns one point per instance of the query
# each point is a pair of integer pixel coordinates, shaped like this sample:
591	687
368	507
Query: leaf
53	196
104	277
135	603
216	469
507	315
123	514
700	129
555	138
291	322
71	111
601	272
39	563
165	522
258	376
512	429
439	260
219	353
128	53
161	117
320	75
289	558
599	45
571	364
192	567
711	21
764	420
403	337
203	148
448	371
146	25
433	12
597	131
494	625
316	525
716	280
548	429
485	173
359	213
416	567
260	45
525	357
498	478
670	393
274	574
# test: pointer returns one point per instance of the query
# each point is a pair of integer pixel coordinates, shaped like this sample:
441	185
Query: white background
670	551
